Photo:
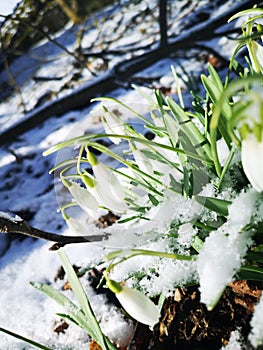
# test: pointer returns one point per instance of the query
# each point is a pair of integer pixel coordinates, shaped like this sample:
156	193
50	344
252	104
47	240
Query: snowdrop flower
171	156
83	197
252	160
104	194
104	174
135	303
94	196
105	186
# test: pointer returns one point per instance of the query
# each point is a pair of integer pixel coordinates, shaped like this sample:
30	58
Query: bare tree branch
22	227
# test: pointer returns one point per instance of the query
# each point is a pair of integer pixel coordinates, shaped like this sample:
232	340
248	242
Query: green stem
123	105
136	252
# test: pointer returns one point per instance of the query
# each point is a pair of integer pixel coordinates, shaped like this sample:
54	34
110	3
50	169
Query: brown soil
186	324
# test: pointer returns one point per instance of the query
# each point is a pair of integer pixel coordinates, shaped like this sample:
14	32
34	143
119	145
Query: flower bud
135	303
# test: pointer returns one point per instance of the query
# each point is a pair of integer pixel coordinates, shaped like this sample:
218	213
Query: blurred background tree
32	19
78	10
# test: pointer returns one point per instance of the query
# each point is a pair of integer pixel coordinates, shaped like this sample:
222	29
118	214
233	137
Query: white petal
107	200
108	180
108	190
139	306
252	161
83	197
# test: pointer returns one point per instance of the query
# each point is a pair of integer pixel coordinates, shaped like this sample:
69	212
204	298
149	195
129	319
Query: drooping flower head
135	303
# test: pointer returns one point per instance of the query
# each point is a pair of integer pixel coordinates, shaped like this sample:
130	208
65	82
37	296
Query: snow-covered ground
28	190
6	7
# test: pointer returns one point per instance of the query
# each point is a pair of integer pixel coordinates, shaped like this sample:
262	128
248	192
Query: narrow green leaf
175	185
251	273
215	78
145	95
216	119
248	12
220	206
73	310
255	256
24	339
186	125
154	201
101	99
67	316
83	300
215	94
178	87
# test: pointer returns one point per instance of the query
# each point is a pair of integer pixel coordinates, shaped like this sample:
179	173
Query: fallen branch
13	225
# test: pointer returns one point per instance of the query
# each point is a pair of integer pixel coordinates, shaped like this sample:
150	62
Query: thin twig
22	227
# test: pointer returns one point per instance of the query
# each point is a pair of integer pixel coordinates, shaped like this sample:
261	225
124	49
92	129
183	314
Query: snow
186	233
27	188
32	314
235	342
225	248
6	7
9	217
255	337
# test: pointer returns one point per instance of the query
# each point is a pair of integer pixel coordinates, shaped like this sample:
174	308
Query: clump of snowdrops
189	199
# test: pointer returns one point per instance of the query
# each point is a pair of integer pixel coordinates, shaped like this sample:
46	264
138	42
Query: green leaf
112	99
215	78
251	273
220	206
67	317
248	12
84	302
175	185
73	310
130	218
24	339
216	120
215	93
154	201
190	130
255	257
